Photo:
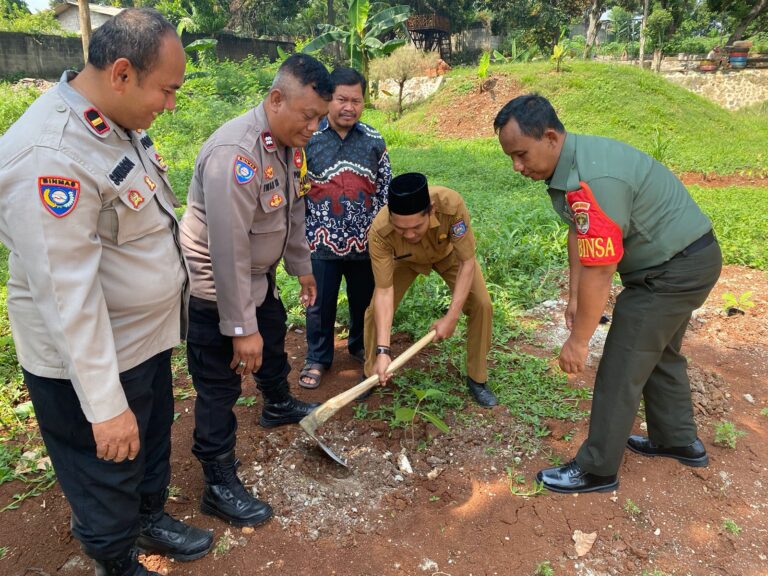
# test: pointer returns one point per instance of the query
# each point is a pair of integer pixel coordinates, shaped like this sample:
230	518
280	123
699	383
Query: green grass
629	104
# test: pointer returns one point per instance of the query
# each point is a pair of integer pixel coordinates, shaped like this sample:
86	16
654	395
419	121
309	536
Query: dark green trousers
642	359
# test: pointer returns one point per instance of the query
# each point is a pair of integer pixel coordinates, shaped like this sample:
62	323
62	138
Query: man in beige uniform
96	290
245	214
421	230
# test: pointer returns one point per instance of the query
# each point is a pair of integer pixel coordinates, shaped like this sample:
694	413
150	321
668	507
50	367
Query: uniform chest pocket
134	213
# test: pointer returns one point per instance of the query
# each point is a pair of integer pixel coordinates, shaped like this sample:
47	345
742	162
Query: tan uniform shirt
449	231
96	272
245	212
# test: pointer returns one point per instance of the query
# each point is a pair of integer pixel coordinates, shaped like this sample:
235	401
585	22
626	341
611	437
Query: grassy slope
628	104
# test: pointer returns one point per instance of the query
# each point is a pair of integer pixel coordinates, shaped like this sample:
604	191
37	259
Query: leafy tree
361	35
275	17
659	23
594	11
204	16
538	21
400	66
747	15
11	8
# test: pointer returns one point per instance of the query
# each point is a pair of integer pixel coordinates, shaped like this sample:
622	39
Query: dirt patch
721	181
456	514
471	111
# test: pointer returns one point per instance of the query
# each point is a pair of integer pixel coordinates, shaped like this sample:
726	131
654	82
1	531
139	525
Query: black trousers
209	354
105	496
321	317
642	359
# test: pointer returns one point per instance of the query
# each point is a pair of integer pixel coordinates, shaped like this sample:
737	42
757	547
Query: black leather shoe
225	496
162	534
289	411
692	455
481	393
571	478
126	565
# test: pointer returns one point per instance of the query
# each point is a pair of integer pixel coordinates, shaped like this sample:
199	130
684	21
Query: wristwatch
383	350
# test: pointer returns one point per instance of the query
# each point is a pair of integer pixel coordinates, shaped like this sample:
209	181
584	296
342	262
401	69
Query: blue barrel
738	59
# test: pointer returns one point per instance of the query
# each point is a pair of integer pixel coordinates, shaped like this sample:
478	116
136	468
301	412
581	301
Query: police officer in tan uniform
422	230
97	287
245	214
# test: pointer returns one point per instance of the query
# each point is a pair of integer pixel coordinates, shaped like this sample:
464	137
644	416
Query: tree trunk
641	57
658	56
738	32
84	12
331	13
594	12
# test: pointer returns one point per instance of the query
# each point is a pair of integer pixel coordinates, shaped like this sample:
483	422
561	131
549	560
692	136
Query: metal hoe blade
325	448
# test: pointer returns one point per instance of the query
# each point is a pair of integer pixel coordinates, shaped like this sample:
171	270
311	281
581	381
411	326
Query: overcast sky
37	5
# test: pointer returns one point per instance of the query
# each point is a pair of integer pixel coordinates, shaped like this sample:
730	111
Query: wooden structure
431	32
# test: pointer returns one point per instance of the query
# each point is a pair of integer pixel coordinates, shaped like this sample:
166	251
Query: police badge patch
245	169
135	198
298	157
458	229
276	200
269	172
59	195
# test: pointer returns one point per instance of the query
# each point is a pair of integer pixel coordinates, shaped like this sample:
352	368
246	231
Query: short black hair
308	71
347	77
135	34
532	112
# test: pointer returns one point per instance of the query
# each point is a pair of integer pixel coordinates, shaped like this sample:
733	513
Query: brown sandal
313	372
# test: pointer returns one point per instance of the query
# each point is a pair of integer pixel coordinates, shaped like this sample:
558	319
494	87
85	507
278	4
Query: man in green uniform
424	230
626	213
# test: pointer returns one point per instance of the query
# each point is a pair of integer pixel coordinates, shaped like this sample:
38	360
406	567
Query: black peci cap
408	194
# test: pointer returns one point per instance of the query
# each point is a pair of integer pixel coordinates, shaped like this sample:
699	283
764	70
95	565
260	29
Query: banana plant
361	34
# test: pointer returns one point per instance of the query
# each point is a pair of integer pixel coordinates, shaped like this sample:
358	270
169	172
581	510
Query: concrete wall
42	56
475	39
730	89
38	56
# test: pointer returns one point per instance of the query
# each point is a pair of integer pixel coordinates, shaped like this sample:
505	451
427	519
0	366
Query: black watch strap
383	350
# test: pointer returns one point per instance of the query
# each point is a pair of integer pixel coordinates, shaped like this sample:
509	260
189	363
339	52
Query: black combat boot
282	408
126	565
226	497
161	533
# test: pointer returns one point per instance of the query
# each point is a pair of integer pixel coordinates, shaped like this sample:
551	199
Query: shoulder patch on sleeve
58	194
245	169
458	229
598	237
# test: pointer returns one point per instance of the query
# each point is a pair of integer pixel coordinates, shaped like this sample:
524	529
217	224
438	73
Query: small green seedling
537	489
246	401
632	509
544	569
726	434
737	304
407	415
731	527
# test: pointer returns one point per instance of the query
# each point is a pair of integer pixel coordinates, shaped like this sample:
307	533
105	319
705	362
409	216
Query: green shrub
13	102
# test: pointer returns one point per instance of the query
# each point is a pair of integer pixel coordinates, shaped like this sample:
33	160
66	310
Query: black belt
697	245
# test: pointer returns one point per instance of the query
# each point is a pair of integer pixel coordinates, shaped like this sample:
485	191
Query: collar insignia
268	141
96	121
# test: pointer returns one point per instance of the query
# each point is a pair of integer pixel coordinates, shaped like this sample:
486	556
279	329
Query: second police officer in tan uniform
419	231
245	214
